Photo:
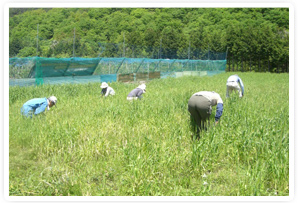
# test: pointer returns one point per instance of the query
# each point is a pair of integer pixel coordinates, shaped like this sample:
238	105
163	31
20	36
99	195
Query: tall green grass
89	145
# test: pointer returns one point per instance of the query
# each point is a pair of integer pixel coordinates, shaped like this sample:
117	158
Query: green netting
134	65
82	70
53	67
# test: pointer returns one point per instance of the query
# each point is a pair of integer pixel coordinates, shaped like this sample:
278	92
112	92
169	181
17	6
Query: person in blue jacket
37	105
233	85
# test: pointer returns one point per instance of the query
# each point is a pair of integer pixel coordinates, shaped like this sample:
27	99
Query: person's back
233	78
212	96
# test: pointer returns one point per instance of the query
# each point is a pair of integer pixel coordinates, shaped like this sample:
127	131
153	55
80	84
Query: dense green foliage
88	145
258	38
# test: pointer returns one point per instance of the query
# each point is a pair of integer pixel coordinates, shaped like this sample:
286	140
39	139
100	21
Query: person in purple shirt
137	93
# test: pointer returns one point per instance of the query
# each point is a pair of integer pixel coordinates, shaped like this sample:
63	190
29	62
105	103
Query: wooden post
233	63
259	64
37	41
237	66
241	64
124	44
269	64
74	39
148	71
230	66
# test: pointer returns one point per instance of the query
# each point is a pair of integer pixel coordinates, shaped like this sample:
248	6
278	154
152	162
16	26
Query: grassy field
93	146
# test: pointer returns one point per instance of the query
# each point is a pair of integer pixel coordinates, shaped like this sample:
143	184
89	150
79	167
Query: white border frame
145	198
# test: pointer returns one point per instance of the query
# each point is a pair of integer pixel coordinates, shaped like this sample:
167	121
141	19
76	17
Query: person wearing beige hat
37	105
200	108
106	90
137	93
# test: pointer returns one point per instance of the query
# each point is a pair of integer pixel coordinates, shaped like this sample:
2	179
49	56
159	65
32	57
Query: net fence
114	62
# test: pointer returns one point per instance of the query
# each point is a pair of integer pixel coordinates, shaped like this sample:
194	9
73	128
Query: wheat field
93	146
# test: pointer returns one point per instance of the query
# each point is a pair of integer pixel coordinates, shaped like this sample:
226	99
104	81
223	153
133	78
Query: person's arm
107	92
242	86
139	93
112	92
41	108
219	110
104	91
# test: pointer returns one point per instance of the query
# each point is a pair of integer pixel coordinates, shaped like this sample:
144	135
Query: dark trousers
200	110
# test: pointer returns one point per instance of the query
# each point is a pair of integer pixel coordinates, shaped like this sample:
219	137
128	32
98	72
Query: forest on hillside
253	38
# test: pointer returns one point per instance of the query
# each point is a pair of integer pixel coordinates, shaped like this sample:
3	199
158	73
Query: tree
252	34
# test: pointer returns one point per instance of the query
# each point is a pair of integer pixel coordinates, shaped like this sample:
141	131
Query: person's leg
205	110
239	91
194	114
131	98
193	111
26	111
195	128
236	87
200	109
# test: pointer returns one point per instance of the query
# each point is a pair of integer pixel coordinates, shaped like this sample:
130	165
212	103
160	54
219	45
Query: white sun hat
104	85
53	99
142	87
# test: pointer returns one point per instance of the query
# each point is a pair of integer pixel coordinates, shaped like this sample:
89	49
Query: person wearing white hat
106	90
233	85
37	105
137	93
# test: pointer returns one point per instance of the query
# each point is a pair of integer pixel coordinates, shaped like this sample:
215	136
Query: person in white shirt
233	85
106	90
200	108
